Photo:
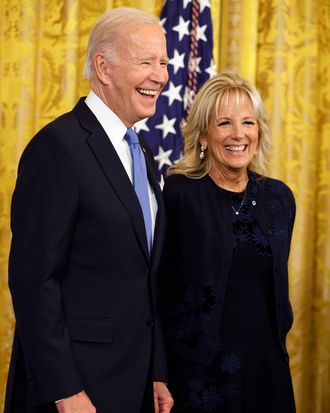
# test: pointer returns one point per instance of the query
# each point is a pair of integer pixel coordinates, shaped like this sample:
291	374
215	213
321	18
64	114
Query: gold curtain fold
283	47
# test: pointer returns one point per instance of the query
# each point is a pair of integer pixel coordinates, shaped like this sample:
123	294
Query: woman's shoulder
277	186
273	185
273	188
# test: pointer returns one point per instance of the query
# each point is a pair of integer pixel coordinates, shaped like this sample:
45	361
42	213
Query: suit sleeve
44	209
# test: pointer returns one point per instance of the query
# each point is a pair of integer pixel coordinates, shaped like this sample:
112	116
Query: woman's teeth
236	148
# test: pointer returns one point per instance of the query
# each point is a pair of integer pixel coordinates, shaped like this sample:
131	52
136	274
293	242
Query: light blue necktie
140	180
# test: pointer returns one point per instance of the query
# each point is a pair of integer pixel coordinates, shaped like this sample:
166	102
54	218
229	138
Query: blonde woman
226	308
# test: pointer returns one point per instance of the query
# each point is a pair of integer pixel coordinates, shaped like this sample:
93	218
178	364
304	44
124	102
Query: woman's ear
102	68
203	141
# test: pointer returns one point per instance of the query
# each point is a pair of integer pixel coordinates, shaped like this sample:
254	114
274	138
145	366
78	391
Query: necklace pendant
237	212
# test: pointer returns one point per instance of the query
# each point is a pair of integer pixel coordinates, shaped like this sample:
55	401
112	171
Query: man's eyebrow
149	57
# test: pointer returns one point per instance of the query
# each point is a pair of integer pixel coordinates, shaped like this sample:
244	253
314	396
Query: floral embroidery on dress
192	313
204	395
200	298
230	364
207	396
260	241
246	229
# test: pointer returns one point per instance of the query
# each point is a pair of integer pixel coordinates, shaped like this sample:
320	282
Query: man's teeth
147	92
236	148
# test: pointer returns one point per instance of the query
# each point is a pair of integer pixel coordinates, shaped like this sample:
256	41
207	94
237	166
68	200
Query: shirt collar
113	126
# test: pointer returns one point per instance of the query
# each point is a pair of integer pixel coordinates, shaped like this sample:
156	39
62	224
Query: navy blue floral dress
249	373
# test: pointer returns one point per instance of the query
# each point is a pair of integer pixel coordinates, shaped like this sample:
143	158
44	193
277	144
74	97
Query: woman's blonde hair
214	94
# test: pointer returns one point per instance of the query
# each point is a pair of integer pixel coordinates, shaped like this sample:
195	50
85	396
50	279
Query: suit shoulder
60	128
61	133
53	141
68	122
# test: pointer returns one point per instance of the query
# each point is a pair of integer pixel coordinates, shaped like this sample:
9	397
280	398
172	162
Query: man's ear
102	68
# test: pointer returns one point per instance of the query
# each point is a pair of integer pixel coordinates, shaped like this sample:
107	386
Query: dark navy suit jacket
197	259
81	278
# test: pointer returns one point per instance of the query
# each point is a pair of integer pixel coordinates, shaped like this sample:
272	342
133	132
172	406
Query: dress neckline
227	191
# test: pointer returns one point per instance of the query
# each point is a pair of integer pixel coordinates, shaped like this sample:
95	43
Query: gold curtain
282	46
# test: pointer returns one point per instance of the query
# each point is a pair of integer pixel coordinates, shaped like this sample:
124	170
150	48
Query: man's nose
159	74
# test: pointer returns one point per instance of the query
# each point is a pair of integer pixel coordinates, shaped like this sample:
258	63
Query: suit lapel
160	217
112	167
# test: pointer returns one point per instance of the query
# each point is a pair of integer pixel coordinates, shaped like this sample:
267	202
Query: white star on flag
201	33
185	3
141	125
211	70
203	4
173	93
166	126
177	61
182	28
163	157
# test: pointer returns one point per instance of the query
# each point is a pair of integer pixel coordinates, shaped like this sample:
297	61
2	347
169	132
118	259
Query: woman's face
232	136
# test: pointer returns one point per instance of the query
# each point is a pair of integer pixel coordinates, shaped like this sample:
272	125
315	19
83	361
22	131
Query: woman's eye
224	123
249	122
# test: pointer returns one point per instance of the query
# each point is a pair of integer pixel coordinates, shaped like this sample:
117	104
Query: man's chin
147	114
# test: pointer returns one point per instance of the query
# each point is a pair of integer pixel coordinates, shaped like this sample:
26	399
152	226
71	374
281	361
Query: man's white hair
106	31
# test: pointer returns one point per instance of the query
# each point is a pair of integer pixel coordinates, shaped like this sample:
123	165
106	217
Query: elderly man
88	227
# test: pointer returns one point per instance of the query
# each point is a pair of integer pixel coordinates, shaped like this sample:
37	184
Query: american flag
188	28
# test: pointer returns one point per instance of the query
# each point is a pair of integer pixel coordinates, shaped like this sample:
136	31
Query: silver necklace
241	204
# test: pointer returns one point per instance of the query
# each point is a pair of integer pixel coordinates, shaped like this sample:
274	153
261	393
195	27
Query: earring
202	154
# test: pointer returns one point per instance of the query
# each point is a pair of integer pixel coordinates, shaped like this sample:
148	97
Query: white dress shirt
116	130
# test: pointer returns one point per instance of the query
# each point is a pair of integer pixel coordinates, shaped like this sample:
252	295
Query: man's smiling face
138	74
